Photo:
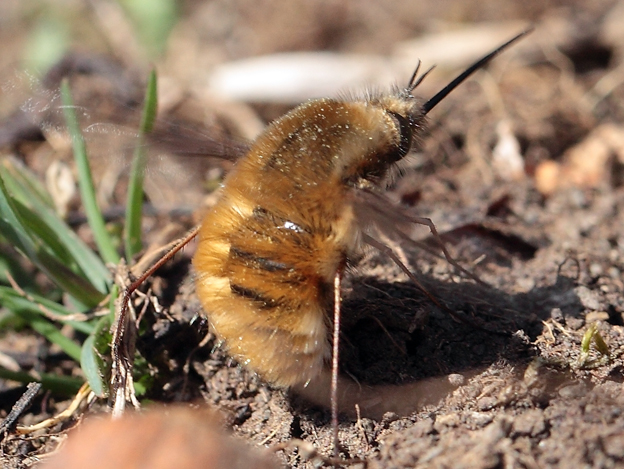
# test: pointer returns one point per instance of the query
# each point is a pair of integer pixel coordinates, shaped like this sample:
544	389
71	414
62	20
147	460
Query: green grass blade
10	225
94	348
85	180
36	304
53	231
41	233
52	334
26	185
148	117
15	220
68	281
33	316
134	206
153	20
91	365
9	264
59	385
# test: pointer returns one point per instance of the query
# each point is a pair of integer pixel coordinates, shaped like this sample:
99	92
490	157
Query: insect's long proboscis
443	93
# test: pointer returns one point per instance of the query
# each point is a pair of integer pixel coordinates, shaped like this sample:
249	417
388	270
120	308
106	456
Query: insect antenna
416	80
429	105
410	83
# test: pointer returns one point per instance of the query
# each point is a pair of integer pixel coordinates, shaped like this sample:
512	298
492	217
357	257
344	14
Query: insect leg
121	369
335	359
390	253
373	208
428	223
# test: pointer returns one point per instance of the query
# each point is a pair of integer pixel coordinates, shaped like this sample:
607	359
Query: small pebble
456	379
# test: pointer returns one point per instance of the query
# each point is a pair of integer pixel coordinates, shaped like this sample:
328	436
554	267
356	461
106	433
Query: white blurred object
506	158
294	77
61	185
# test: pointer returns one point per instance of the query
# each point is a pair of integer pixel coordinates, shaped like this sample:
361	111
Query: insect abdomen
261	296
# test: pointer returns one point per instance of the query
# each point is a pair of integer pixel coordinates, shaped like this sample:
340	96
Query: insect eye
405	130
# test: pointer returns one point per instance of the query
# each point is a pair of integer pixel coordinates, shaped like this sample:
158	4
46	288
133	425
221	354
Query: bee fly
293	212
289	218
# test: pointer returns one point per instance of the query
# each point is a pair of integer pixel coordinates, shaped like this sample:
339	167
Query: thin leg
335	361
121	363
390	253
428	223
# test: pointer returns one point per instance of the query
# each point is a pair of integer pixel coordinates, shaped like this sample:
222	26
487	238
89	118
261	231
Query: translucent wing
108	103
375	210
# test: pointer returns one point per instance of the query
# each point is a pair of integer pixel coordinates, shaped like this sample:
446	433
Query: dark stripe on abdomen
262	301
255	262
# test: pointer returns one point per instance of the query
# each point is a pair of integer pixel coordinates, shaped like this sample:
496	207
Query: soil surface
522	171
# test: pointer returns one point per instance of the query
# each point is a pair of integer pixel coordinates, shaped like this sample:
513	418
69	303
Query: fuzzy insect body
285	223
289	218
